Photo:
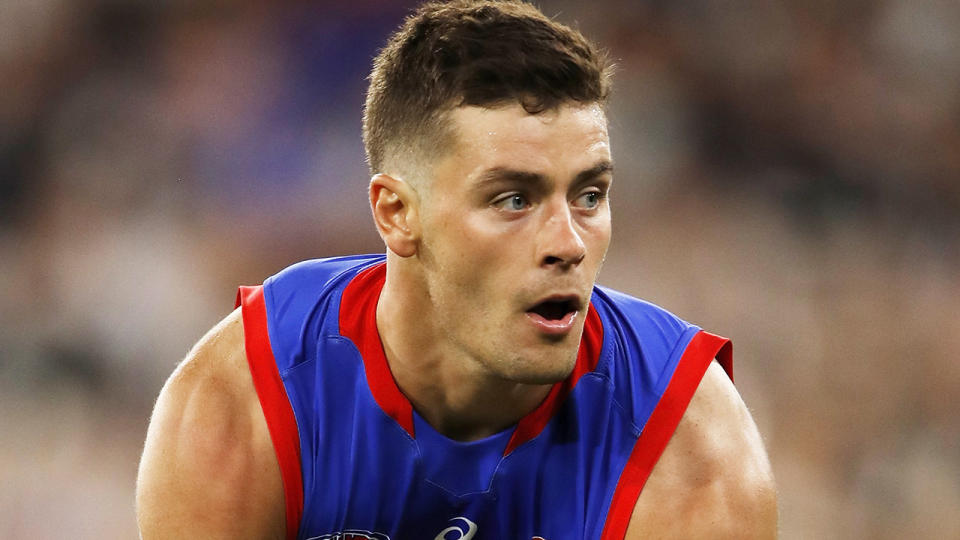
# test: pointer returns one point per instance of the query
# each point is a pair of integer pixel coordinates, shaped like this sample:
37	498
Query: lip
554	327
571	297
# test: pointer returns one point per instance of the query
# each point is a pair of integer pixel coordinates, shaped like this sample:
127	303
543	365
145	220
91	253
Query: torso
367	462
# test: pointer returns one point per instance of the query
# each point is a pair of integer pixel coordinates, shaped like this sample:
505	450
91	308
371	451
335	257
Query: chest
364	475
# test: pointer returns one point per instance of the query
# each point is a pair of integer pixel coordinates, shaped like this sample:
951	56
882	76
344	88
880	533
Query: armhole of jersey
274	401
701	350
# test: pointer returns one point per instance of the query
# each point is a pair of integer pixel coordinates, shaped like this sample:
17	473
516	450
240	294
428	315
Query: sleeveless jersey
357	461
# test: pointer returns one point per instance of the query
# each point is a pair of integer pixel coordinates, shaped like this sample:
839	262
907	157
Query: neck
451	390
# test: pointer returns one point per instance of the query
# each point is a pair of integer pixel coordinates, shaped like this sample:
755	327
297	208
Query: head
487	138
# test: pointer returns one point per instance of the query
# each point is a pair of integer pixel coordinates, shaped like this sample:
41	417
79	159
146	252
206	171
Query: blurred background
788	174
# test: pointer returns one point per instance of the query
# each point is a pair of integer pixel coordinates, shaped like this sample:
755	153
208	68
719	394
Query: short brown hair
480	52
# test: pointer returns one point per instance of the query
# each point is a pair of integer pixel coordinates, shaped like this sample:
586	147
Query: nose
560	242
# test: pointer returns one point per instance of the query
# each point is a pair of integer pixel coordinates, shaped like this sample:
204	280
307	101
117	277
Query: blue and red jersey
358	461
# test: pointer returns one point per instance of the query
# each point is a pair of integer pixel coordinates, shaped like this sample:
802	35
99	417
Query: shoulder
634	315
292	294
714	478
641	331
208	468
319	274
643	345
304	300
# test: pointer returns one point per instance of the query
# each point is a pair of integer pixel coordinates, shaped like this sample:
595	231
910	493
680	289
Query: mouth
555	315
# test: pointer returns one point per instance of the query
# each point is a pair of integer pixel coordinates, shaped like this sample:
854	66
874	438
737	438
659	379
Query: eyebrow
500	174
601	168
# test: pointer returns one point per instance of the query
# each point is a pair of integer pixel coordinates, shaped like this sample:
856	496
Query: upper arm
208	468
714	478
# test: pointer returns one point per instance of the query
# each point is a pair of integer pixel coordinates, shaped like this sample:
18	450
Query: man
473	383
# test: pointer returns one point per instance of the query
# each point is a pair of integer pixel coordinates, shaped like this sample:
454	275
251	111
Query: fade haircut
482	53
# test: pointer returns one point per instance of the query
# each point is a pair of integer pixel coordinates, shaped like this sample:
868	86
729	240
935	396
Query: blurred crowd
788	174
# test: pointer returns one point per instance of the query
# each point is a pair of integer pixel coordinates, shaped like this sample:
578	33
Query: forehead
555	143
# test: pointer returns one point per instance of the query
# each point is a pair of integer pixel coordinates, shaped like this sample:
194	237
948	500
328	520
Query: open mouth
555	309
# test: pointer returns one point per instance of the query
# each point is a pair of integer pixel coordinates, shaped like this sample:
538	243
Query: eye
589	200
513	202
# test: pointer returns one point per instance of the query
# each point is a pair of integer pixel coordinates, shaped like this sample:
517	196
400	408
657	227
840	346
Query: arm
713	479
208	468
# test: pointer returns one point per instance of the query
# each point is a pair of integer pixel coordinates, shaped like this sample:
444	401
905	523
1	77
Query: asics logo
352	534
457	532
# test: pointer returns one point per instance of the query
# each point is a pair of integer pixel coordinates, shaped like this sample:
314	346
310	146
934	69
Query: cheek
473	242
596	234
458	257
603	237
473	259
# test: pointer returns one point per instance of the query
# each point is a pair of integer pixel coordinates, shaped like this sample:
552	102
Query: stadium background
788	175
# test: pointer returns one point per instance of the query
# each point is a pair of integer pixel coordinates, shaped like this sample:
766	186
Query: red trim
358	322
587	357
725	356
274	401
703	348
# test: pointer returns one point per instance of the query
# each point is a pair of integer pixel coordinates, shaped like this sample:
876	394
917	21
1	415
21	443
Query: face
514	227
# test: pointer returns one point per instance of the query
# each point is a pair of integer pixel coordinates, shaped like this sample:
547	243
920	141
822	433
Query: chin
549	368
542	378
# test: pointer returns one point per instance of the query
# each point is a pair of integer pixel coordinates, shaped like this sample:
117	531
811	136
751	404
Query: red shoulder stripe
274	401
701	350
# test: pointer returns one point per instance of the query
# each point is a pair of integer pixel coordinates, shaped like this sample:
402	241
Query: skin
714	478
467	257
517	212
208	468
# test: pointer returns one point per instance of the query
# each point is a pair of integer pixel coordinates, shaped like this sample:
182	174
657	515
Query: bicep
208	468
714	478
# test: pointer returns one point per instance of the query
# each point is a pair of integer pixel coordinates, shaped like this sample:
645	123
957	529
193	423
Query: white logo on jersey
464	534
352	534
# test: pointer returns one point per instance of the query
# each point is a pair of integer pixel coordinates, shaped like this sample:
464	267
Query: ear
394	204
